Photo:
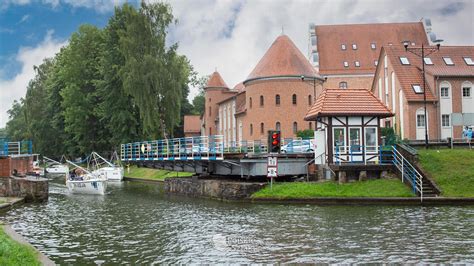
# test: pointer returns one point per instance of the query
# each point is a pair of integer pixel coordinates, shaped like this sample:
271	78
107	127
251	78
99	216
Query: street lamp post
420	52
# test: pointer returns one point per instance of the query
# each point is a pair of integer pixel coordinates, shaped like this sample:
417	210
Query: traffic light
274	141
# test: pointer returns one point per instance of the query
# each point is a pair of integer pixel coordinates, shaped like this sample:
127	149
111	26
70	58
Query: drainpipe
438	106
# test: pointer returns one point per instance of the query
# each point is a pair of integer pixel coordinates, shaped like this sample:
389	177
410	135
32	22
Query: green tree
153	74
199	100
81	99
117	111
17	128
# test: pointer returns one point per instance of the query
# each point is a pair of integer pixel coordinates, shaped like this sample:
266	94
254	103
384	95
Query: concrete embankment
18	238
9	202
33	189
394	201
212	188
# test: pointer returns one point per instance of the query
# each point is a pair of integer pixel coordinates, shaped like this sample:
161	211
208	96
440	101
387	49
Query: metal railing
408	172
15	148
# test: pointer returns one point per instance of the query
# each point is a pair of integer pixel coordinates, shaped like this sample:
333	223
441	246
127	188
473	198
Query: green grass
3	201
452	170
370	188
153	174
13	253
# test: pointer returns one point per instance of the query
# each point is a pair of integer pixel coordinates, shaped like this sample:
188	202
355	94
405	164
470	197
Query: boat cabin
347	126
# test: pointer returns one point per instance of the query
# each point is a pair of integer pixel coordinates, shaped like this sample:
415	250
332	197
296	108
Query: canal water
136	223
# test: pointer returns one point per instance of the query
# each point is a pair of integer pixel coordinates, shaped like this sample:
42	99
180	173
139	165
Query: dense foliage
108	86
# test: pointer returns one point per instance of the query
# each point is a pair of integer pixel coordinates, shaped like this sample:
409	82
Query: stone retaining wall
31	188
212	188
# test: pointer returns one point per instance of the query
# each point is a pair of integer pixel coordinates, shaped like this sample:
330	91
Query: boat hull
111	173
93	186
58	170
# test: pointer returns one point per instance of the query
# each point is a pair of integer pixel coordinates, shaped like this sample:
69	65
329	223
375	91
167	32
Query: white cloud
101	6
24	19
258	22
15	88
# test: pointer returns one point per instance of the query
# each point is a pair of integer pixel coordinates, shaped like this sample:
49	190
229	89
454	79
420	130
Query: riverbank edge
11	203
381	201
43	259
126	178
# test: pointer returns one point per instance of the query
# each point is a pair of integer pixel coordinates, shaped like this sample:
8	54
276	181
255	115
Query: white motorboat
55	167
82	181
102	166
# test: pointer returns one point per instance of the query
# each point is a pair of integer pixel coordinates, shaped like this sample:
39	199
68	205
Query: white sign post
272	169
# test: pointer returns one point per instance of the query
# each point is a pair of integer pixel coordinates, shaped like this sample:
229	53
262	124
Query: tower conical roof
216	81
283	58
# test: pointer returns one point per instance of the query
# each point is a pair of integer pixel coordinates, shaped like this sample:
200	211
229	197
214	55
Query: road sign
272	166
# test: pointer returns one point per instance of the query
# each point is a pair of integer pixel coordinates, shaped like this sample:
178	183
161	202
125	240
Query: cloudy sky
228	35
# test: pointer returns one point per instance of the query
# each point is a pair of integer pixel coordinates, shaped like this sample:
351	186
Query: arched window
310	125
293	99
250	102
251	129
261	100
295	127
277	126
262	128
277	99
310	100
342	85
209	99
210	111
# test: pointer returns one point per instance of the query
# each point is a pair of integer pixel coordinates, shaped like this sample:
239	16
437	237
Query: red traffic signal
274	137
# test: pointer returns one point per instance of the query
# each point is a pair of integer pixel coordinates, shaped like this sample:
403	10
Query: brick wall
22	164
352	82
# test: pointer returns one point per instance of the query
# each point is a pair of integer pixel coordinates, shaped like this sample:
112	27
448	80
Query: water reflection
137	223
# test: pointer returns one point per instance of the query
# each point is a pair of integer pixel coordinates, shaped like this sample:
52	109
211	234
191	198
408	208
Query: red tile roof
283	58
409	75
216	81
347	102
192	124
330	38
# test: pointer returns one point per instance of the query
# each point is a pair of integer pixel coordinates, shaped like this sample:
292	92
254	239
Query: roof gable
283	58
216	81
347	102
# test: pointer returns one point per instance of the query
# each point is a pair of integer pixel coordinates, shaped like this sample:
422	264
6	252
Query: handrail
407	170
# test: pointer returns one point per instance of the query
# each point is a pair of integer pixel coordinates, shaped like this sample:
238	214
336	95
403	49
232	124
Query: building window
295	127
376	62
310	125
210	111
444	92
445	120
427	61
354	46
293	99
343	47
339	139
357	63
342	85
466	92
404	60
417	88
209	99
251	129
277	99
250	102
210	131
261	101
310	100
371	139
469	61
420	120
262	128
388	123
372	46
346	64
448	61
277	126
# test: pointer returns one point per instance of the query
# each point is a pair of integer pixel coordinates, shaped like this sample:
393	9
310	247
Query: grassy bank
13	253
452	170
153	174
371	188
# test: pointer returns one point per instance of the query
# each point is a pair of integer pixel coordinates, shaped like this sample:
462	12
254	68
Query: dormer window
357	63
343	47
448	61
428	61
417	89
469	61
354	46
372	46
404	60
346	64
